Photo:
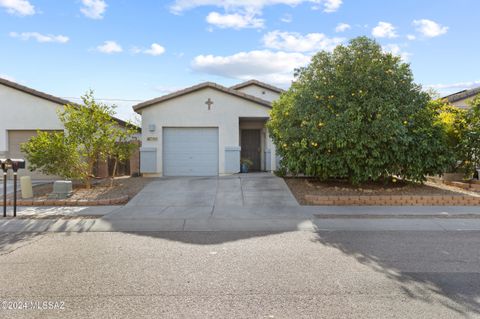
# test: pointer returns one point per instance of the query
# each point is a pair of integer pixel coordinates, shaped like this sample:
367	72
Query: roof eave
198	87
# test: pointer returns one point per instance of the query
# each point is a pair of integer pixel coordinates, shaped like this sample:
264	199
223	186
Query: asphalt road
334	274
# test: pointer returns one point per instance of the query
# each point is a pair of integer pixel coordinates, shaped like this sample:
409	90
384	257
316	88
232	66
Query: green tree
51	154
453	122
121	147
89	131
356	113
471	142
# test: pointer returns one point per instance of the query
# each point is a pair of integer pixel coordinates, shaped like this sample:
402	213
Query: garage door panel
190	151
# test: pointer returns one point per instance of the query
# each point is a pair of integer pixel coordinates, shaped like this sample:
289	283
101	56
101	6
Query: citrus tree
355	113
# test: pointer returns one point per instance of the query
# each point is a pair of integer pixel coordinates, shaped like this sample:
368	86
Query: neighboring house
205	130
461	99
24	111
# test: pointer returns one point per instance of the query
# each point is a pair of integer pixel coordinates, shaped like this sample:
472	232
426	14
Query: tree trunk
88	179
114	172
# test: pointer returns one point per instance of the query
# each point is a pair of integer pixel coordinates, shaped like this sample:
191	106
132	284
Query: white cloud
342	27
109	47
332	5
273	67
19	7
94	9
384	30
429	28
7	77
234	20
292	41
287	18
411	37
250	5
155	50
245	14
42	38
395	49
454	87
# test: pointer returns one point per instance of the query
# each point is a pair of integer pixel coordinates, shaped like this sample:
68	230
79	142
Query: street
298	274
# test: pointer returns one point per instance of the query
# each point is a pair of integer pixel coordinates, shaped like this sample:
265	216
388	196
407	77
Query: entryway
251	148
253	143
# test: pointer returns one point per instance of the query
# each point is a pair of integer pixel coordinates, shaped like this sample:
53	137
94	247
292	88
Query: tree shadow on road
10	242
431	268
205	238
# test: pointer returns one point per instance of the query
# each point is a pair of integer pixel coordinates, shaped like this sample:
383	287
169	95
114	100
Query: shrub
356	113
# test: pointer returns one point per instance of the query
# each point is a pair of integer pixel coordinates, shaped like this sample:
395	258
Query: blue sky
129	51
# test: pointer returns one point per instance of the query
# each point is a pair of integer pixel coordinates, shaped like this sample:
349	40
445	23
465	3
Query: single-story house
206	129
24	111
462	98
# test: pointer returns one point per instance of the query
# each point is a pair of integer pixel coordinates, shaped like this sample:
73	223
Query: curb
393	200
70	202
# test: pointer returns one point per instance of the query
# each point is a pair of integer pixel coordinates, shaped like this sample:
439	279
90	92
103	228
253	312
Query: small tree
121	147
89	129
51	154
356	113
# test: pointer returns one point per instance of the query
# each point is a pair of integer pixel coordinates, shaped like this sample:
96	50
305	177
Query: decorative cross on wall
209	103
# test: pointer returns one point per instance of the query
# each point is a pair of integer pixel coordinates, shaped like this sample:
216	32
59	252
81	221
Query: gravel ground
301	186
129	186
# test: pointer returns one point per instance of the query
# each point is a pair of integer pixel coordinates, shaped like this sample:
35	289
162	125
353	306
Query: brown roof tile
198	87
46	96
258	83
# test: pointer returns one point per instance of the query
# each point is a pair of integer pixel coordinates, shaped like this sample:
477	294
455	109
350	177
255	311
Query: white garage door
191	151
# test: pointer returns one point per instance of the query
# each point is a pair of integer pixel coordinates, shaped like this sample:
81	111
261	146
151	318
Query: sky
131	51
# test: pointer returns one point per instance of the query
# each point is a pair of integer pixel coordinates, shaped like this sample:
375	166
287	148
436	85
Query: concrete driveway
255	189
198	197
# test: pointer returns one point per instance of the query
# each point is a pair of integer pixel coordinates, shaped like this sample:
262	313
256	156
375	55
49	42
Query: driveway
255	189
198	197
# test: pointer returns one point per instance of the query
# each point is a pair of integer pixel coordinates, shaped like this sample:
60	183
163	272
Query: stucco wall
260	92
464	104
190	110
22	111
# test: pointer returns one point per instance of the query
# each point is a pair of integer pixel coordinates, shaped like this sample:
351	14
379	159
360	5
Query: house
462	98
205	130
23	112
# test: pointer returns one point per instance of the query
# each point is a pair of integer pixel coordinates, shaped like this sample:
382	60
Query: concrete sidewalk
307	218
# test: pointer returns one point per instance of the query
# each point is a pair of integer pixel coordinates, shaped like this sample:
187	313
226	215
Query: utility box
61	190
26	187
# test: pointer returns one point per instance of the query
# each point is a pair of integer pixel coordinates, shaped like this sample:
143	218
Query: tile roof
258	83
46	96
198	87
462	95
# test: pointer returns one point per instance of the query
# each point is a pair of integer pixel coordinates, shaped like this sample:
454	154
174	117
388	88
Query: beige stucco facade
21	111
228	113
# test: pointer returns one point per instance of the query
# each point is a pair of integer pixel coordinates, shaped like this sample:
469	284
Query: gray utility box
61	190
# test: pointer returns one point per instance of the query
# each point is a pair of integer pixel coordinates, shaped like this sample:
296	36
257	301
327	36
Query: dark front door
251	147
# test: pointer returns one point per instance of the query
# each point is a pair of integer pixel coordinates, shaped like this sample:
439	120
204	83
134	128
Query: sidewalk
275	219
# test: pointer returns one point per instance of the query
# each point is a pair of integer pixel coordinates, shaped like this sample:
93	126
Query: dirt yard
301	186
129	186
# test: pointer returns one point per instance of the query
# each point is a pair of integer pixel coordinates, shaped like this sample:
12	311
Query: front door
251	147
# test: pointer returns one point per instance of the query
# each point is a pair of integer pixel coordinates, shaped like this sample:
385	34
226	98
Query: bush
356	113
